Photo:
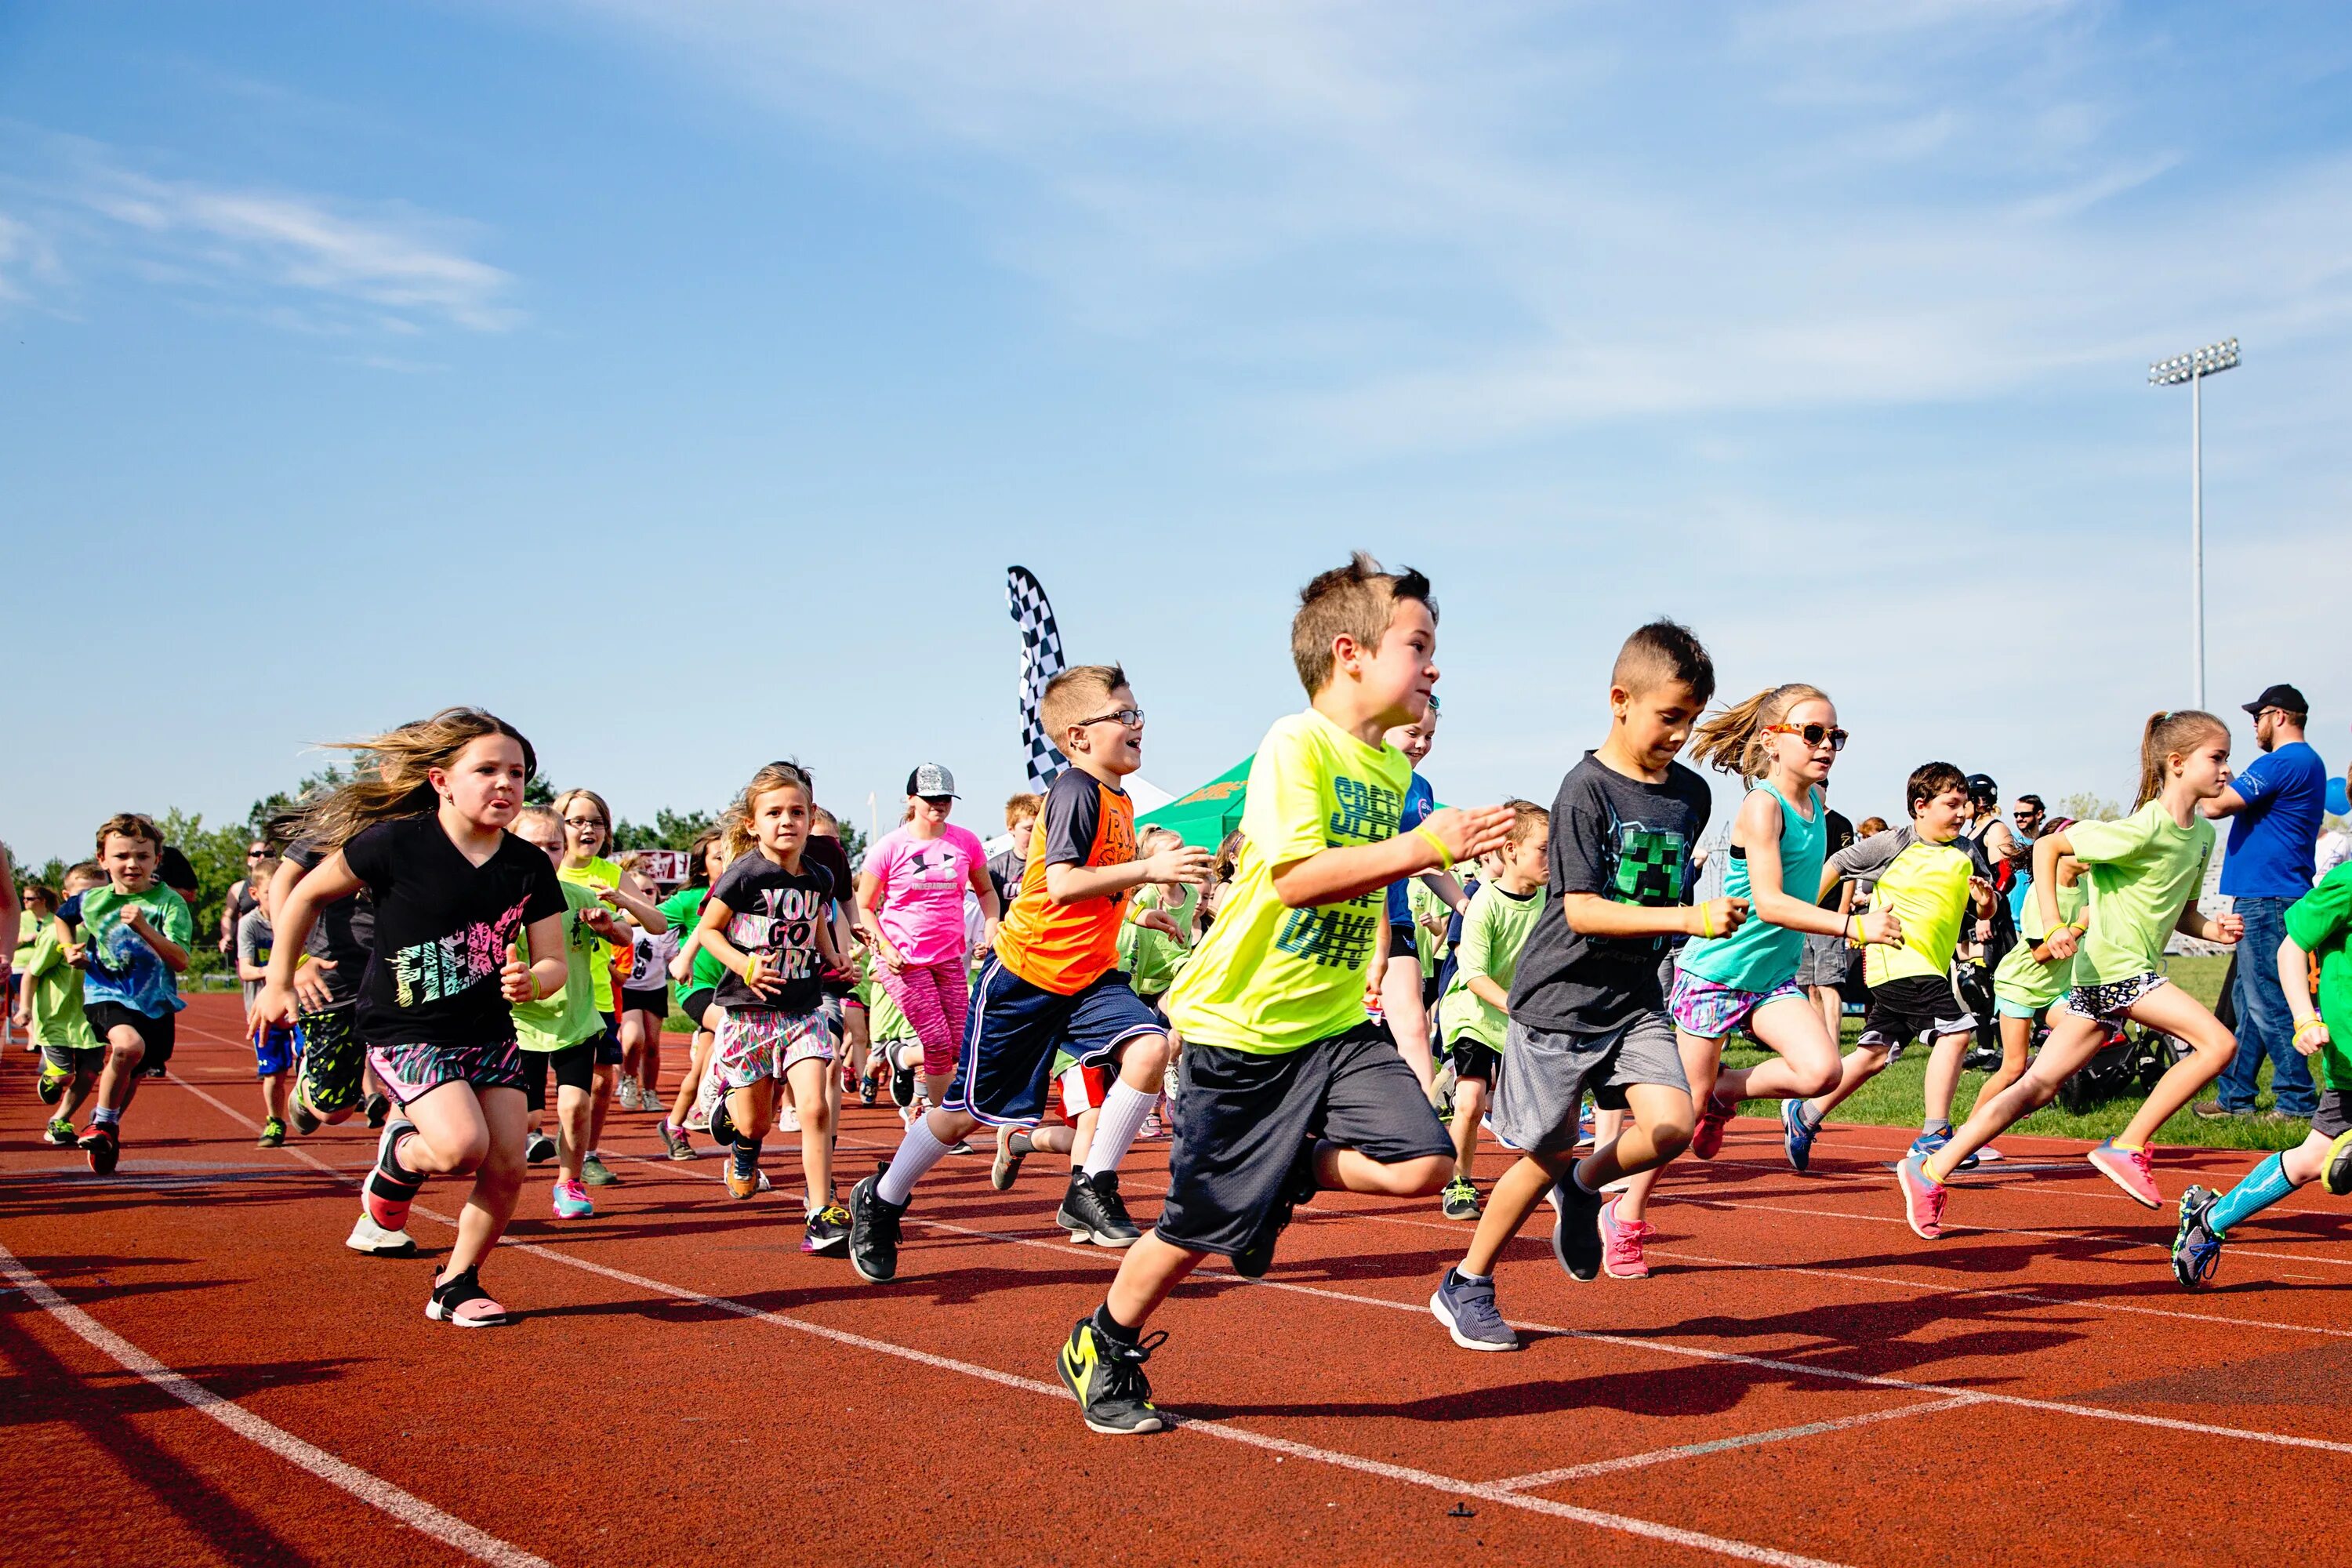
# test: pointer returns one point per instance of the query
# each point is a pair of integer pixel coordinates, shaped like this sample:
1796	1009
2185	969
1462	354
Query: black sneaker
1091	1211
867	1091
379	1107
874	1230
2196	1250
902	1087
1576	1230
1106	1379
722	1124
1298	1187
540	1149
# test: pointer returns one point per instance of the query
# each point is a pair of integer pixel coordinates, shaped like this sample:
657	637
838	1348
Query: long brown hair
396	784
2168	735
1733	741
697	857
735	826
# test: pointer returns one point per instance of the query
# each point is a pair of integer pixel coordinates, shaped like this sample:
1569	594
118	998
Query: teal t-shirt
1757	956
121	968
570	1016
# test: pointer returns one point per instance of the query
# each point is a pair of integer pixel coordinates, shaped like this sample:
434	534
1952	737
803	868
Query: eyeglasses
1813	735
255	854
583	822
1131	718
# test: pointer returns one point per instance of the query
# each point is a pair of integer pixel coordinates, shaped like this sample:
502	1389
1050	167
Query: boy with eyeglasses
1929	884
1053	982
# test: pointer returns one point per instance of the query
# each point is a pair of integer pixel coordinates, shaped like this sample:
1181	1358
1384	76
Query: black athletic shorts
608	1044
157	1034
695	1004
574	1067
1401	943
654	999
1241	1117
1915	1007
1474	1058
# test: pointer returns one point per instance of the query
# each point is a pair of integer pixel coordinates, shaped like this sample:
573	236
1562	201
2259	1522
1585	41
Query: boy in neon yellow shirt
48	1009
1287	1087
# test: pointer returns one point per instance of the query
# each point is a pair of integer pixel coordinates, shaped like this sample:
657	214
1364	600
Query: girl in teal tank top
1784	742
1759	956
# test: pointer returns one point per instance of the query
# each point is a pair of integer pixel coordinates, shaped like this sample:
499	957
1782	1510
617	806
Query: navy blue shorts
1014	1029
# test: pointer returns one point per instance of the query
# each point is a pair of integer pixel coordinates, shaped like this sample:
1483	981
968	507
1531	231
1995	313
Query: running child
273	1045
37	907
694	976
1783	743
2029	980
1588	1005
1155	938
453	890
587	831
333	1082
1051	981
2316	925
1476	1011
765	923
558	1034
2146	872
643	996
910	899
1285	1086
1929	883
128	937
49	1010
1397	971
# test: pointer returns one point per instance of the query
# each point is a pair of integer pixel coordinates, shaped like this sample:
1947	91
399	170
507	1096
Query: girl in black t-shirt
767	920
455	895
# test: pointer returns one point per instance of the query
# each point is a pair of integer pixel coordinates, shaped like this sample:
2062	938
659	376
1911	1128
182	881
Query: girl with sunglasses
1783	742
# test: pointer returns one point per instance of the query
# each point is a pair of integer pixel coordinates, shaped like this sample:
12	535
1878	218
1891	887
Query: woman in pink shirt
911	893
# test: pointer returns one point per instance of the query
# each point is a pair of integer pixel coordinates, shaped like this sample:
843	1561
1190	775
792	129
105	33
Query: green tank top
1757	956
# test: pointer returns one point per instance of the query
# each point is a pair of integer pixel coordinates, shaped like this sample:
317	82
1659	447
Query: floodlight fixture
2193	367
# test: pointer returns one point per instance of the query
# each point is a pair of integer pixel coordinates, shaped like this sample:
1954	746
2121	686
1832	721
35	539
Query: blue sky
677	378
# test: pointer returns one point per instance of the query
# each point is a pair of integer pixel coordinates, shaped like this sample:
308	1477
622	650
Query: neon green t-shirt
2018	979
569	1016
1267	979
1494	929
2317	922
54	1004
602	875
1425	905
684	908
2143	871
1154	959
1927	887
29	927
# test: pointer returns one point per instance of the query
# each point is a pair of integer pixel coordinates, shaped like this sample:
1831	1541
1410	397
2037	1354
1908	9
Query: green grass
1894	1098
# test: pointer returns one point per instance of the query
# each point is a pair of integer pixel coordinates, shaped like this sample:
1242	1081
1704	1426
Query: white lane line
1735	1358
1746	1552
1722	1445
371	1489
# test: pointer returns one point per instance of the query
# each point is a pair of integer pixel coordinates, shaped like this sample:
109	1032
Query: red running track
200	1373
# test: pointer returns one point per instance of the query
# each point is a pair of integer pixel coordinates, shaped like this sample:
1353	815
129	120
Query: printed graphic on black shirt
773	915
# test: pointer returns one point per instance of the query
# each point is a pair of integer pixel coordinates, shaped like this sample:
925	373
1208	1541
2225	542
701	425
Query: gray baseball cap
931	779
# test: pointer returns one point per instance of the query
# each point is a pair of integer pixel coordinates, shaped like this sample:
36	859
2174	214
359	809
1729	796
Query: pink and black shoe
2131	1169
390	1188
461	1302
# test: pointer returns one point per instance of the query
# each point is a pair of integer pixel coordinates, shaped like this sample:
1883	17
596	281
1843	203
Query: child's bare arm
1336	875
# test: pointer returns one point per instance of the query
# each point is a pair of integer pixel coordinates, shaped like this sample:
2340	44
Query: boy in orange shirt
1053	981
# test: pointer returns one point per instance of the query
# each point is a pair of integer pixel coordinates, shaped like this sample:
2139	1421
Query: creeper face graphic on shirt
1651	864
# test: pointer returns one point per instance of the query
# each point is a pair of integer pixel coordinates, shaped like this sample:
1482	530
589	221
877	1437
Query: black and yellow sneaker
1106	1377
51	1087
2336	1174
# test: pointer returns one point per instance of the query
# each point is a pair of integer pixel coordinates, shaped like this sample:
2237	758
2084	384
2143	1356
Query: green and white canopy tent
1203	817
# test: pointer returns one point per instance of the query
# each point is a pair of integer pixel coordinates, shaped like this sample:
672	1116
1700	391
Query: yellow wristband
1444	856
2308	1025
1706	922
1857	931
752	971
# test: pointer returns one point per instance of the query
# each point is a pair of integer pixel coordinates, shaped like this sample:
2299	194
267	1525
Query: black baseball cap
1981	788
2283	697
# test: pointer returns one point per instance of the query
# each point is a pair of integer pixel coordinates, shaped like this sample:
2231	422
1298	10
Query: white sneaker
371	1237
787	1119
628	1096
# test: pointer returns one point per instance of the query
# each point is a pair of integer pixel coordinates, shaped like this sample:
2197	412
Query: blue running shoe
1797	1135
1469	1314
2196	1250
1928	1143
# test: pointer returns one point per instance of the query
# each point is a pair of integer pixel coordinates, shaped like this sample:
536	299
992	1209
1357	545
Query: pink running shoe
1922	1200
1621	1243
2133	1169
1707	1138
461	1302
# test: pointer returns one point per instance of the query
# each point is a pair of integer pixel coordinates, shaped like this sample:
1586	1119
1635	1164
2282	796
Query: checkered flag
1041	660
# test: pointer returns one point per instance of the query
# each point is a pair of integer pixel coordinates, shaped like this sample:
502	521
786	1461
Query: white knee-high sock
918	1153
1125	1110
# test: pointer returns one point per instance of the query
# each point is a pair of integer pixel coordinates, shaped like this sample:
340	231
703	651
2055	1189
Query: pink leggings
934	996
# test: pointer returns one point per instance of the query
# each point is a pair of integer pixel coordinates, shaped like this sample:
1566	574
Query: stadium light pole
2193	367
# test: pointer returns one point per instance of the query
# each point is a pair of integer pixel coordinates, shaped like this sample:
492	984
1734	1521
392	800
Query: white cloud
298	259
26	260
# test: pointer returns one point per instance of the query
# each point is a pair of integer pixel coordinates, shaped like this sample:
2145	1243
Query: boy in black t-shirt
1586	1010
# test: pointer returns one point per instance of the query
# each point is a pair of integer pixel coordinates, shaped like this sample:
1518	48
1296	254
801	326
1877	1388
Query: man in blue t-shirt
2277	803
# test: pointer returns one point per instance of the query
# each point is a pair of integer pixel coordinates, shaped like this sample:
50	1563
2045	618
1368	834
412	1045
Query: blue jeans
2265	1027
